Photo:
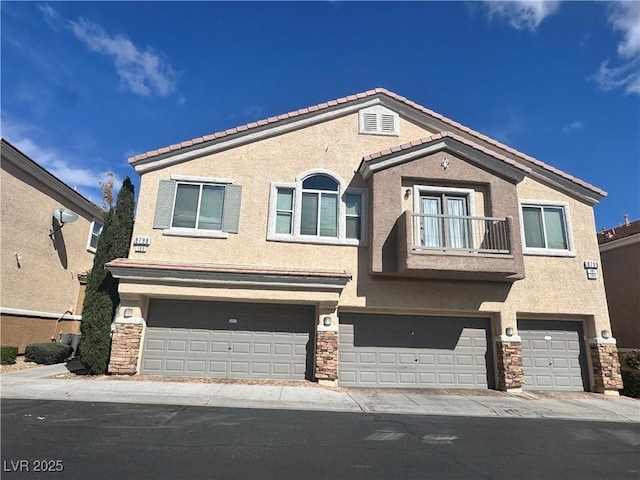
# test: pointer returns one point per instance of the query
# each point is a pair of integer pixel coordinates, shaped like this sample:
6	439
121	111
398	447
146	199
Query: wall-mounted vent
378	120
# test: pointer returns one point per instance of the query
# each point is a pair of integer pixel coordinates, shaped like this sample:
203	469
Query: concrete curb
35	384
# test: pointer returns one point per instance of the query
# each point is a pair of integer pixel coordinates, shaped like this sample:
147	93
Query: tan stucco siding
553	285
562	281
334	146
44	279
21	331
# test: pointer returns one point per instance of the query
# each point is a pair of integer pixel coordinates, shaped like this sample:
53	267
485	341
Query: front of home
365	242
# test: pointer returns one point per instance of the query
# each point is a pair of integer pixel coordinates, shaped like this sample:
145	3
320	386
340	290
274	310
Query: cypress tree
101	296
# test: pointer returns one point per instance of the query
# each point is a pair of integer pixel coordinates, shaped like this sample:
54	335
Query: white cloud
523	14
142	71
508	130
61	164
625	18
577	125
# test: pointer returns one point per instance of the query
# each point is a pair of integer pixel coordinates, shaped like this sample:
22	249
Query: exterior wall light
509	331
128	312
605	334
326	321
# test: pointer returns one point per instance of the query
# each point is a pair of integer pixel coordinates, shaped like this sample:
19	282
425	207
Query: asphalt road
122	441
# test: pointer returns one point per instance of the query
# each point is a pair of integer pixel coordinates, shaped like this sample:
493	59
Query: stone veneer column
326	356
606	366
509	361
125	346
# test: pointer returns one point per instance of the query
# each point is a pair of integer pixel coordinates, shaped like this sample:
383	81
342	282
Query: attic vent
370	122
379	120
388	123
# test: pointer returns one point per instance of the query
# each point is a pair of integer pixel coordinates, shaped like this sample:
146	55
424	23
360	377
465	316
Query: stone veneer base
125	348
326	355
509	360
607	378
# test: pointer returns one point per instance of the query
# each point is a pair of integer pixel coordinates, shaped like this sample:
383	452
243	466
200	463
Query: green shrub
630	370
47	353
8	354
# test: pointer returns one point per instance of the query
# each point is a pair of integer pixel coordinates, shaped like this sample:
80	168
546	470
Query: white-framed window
198	206
317	208
378	120
546	228
442	217
94	234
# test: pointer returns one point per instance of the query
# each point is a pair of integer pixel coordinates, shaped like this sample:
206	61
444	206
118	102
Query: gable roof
622	231
444	140
20	160
317	113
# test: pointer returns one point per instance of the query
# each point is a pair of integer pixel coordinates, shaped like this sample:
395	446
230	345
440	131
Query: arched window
319	215
317	208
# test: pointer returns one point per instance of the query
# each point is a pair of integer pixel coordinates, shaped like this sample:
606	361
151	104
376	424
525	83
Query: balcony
459	248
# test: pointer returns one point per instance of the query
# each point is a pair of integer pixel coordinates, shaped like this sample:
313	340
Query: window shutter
231	209
388	123
164	204
370	122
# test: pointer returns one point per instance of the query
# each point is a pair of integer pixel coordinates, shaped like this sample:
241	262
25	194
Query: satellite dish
65	216
62	215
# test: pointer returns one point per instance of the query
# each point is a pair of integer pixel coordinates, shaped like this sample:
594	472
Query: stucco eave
45	178
225	142
242	278
512	172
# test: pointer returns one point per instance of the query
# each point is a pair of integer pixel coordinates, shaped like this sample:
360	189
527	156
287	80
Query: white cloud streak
61	164
624	17
577	125
523	14
142	71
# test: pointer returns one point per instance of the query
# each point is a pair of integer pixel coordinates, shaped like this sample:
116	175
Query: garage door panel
409	351
198	346
553	356
192	338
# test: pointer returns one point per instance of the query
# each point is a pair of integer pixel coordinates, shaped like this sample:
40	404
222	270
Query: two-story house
45	256
365	241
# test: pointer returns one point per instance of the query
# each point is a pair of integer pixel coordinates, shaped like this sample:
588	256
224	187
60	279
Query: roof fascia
229	279
620	242
24	163
451	145
254	135
556	181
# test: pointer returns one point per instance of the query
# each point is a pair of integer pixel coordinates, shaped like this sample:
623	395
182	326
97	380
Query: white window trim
296	237
378	110
197	179
418	190
89	247
196	232
548	252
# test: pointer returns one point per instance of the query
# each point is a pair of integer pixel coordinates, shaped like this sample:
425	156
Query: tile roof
437	136
350	98
622	231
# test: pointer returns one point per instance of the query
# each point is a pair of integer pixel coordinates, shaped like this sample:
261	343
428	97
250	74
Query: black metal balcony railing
462	234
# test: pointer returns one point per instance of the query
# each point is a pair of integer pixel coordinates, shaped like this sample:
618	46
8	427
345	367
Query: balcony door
441	225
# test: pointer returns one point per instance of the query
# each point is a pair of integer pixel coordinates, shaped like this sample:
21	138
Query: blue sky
85	85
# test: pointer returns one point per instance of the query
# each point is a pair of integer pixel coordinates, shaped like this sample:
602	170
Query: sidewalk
34	383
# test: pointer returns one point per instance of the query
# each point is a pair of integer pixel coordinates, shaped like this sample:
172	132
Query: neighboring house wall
536	285
620	253
40	276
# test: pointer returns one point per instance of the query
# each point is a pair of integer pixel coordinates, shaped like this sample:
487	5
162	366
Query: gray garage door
220	339
413	352
553	355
